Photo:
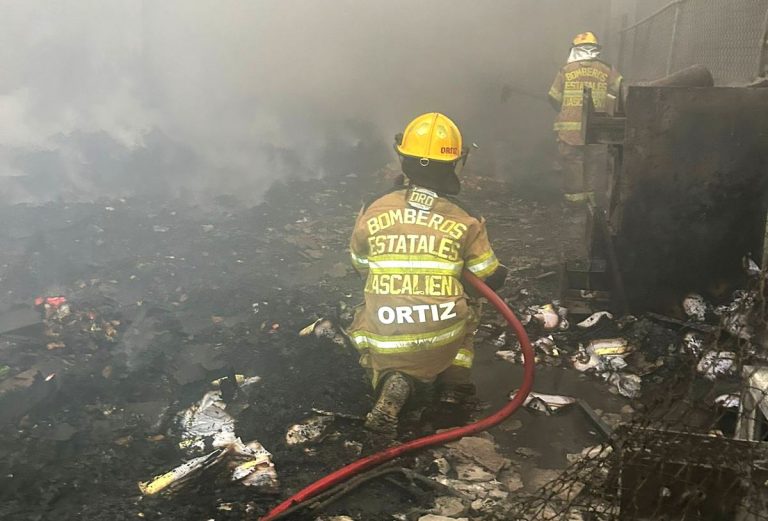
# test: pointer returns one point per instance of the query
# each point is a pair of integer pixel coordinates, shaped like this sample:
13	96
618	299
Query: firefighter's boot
382	419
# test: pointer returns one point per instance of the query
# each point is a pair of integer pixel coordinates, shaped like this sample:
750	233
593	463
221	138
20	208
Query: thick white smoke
179	97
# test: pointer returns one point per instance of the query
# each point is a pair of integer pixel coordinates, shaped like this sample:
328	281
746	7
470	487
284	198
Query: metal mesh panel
689	454
650	42
725	36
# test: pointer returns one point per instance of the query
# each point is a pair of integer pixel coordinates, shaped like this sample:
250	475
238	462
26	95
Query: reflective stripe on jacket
413	244
568	91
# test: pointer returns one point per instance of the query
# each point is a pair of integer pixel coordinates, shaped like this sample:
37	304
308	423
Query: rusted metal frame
673	41
763	274
622	44
762	68
618	291
603	428
762	61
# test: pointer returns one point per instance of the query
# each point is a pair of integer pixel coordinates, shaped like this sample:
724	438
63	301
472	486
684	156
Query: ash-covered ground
167	296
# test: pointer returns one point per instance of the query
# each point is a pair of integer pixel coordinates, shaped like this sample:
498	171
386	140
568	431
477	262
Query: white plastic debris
593	319
501	340
751	267
354	447
547	345
241	379
545	403
308	330
728	401
324	328
206	420
717	363
514	357
594	452
547	316
443	467
251	465
735	316
602	355
181	475
583	361
738	325
612	363
626	384
695	307
609	347
207	424
307	431
693	344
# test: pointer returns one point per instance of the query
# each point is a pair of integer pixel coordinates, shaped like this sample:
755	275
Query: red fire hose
373	460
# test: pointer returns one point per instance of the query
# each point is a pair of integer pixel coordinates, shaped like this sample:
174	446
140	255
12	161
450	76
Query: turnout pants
584	171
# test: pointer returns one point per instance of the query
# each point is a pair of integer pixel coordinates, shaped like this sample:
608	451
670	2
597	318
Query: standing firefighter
583	70
417	326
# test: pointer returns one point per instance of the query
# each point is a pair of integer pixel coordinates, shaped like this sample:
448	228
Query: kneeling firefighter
417	324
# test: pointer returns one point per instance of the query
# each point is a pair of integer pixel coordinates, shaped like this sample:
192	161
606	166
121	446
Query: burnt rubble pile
689	444
117	316
632	352
148	311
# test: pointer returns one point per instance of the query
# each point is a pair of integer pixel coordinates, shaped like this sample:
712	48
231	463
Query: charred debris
170	360
172	352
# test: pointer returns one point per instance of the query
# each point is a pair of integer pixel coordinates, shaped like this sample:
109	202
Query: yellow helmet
585	38
431	137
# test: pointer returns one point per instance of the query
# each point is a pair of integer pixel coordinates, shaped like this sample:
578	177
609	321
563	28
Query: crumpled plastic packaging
204	425
602	355
511	356
547	345
693	344
181	475
325	328
728	401
309	430
501	340
206	421
735	315
593	319
751	267
545	403
717	363
695	307
626	384
609	347
547	316
56	308
251	465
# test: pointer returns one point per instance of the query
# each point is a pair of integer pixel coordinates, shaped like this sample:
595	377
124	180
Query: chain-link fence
728	37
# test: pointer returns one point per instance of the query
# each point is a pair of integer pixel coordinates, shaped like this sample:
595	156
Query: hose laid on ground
502	414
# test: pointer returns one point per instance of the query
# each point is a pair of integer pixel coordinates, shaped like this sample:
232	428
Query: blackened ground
203	291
